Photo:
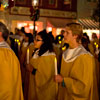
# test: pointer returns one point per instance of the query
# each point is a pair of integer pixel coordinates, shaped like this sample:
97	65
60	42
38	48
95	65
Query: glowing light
20	25
32	27
58	31
1	8
63	48
95	43
30	24
28	56
36	28
25	24
19	43
97	46
49	29
59	42
59	37
55	66
18	46
15	40
34	2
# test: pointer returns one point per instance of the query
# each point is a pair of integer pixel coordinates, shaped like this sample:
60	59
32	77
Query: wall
85	8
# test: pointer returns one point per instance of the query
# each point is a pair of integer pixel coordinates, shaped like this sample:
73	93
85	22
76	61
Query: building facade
85	10
54	14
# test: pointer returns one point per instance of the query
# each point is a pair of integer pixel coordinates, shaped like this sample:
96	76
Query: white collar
25	44
71	54
3	44
47	53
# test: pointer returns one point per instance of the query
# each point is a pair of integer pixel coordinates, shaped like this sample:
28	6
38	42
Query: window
51	2
67	1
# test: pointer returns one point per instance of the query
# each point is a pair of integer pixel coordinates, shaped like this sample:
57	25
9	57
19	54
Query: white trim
71	54
4	45
47	53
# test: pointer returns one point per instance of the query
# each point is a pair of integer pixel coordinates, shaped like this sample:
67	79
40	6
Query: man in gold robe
77	79
10	76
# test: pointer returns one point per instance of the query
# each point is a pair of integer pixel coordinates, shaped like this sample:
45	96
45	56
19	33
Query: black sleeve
34	71
99	56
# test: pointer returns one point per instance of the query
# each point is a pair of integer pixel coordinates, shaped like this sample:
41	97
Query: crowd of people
28	65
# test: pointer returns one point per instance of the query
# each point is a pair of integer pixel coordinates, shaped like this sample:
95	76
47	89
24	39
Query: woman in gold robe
42	65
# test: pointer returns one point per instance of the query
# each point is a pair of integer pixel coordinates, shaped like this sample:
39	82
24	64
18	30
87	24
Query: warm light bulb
34	2
95	43
59	37
59	42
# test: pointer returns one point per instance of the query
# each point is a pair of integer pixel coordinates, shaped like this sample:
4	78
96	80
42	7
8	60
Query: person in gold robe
28	75
42	66
10	75
77	78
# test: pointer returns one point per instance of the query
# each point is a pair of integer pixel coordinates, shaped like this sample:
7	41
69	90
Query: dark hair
4	31
30	36
62	32
23	30
51	36
85	34
85	43
47	44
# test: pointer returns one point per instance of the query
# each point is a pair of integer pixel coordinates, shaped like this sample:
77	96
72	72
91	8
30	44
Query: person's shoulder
86	57
48	53
7	52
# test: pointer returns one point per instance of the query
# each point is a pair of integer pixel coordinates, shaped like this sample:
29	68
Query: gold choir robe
10	75
78	71
23	60
28	76
44	78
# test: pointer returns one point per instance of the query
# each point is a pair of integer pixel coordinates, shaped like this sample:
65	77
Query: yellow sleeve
81	76
45	69
34	62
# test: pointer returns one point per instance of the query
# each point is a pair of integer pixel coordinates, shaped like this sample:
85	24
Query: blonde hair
76	29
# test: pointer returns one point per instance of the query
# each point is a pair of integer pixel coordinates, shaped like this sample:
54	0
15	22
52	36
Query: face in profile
38	41
68	37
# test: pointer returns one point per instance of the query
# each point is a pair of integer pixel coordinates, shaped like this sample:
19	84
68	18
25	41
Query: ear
75	36
0	34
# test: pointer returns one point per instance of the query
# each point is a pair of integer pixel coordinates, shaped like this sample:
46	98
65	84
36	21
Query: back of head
76	29
4	31
94	35
30	36
23	30
62	32
51	36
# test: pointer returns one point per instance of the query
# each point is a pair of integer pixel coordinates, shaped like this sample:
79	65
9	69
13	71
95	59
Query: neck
74	45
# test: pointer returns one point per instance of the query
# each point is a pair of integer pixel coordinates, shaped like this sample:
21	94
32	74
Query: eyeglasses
37	40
